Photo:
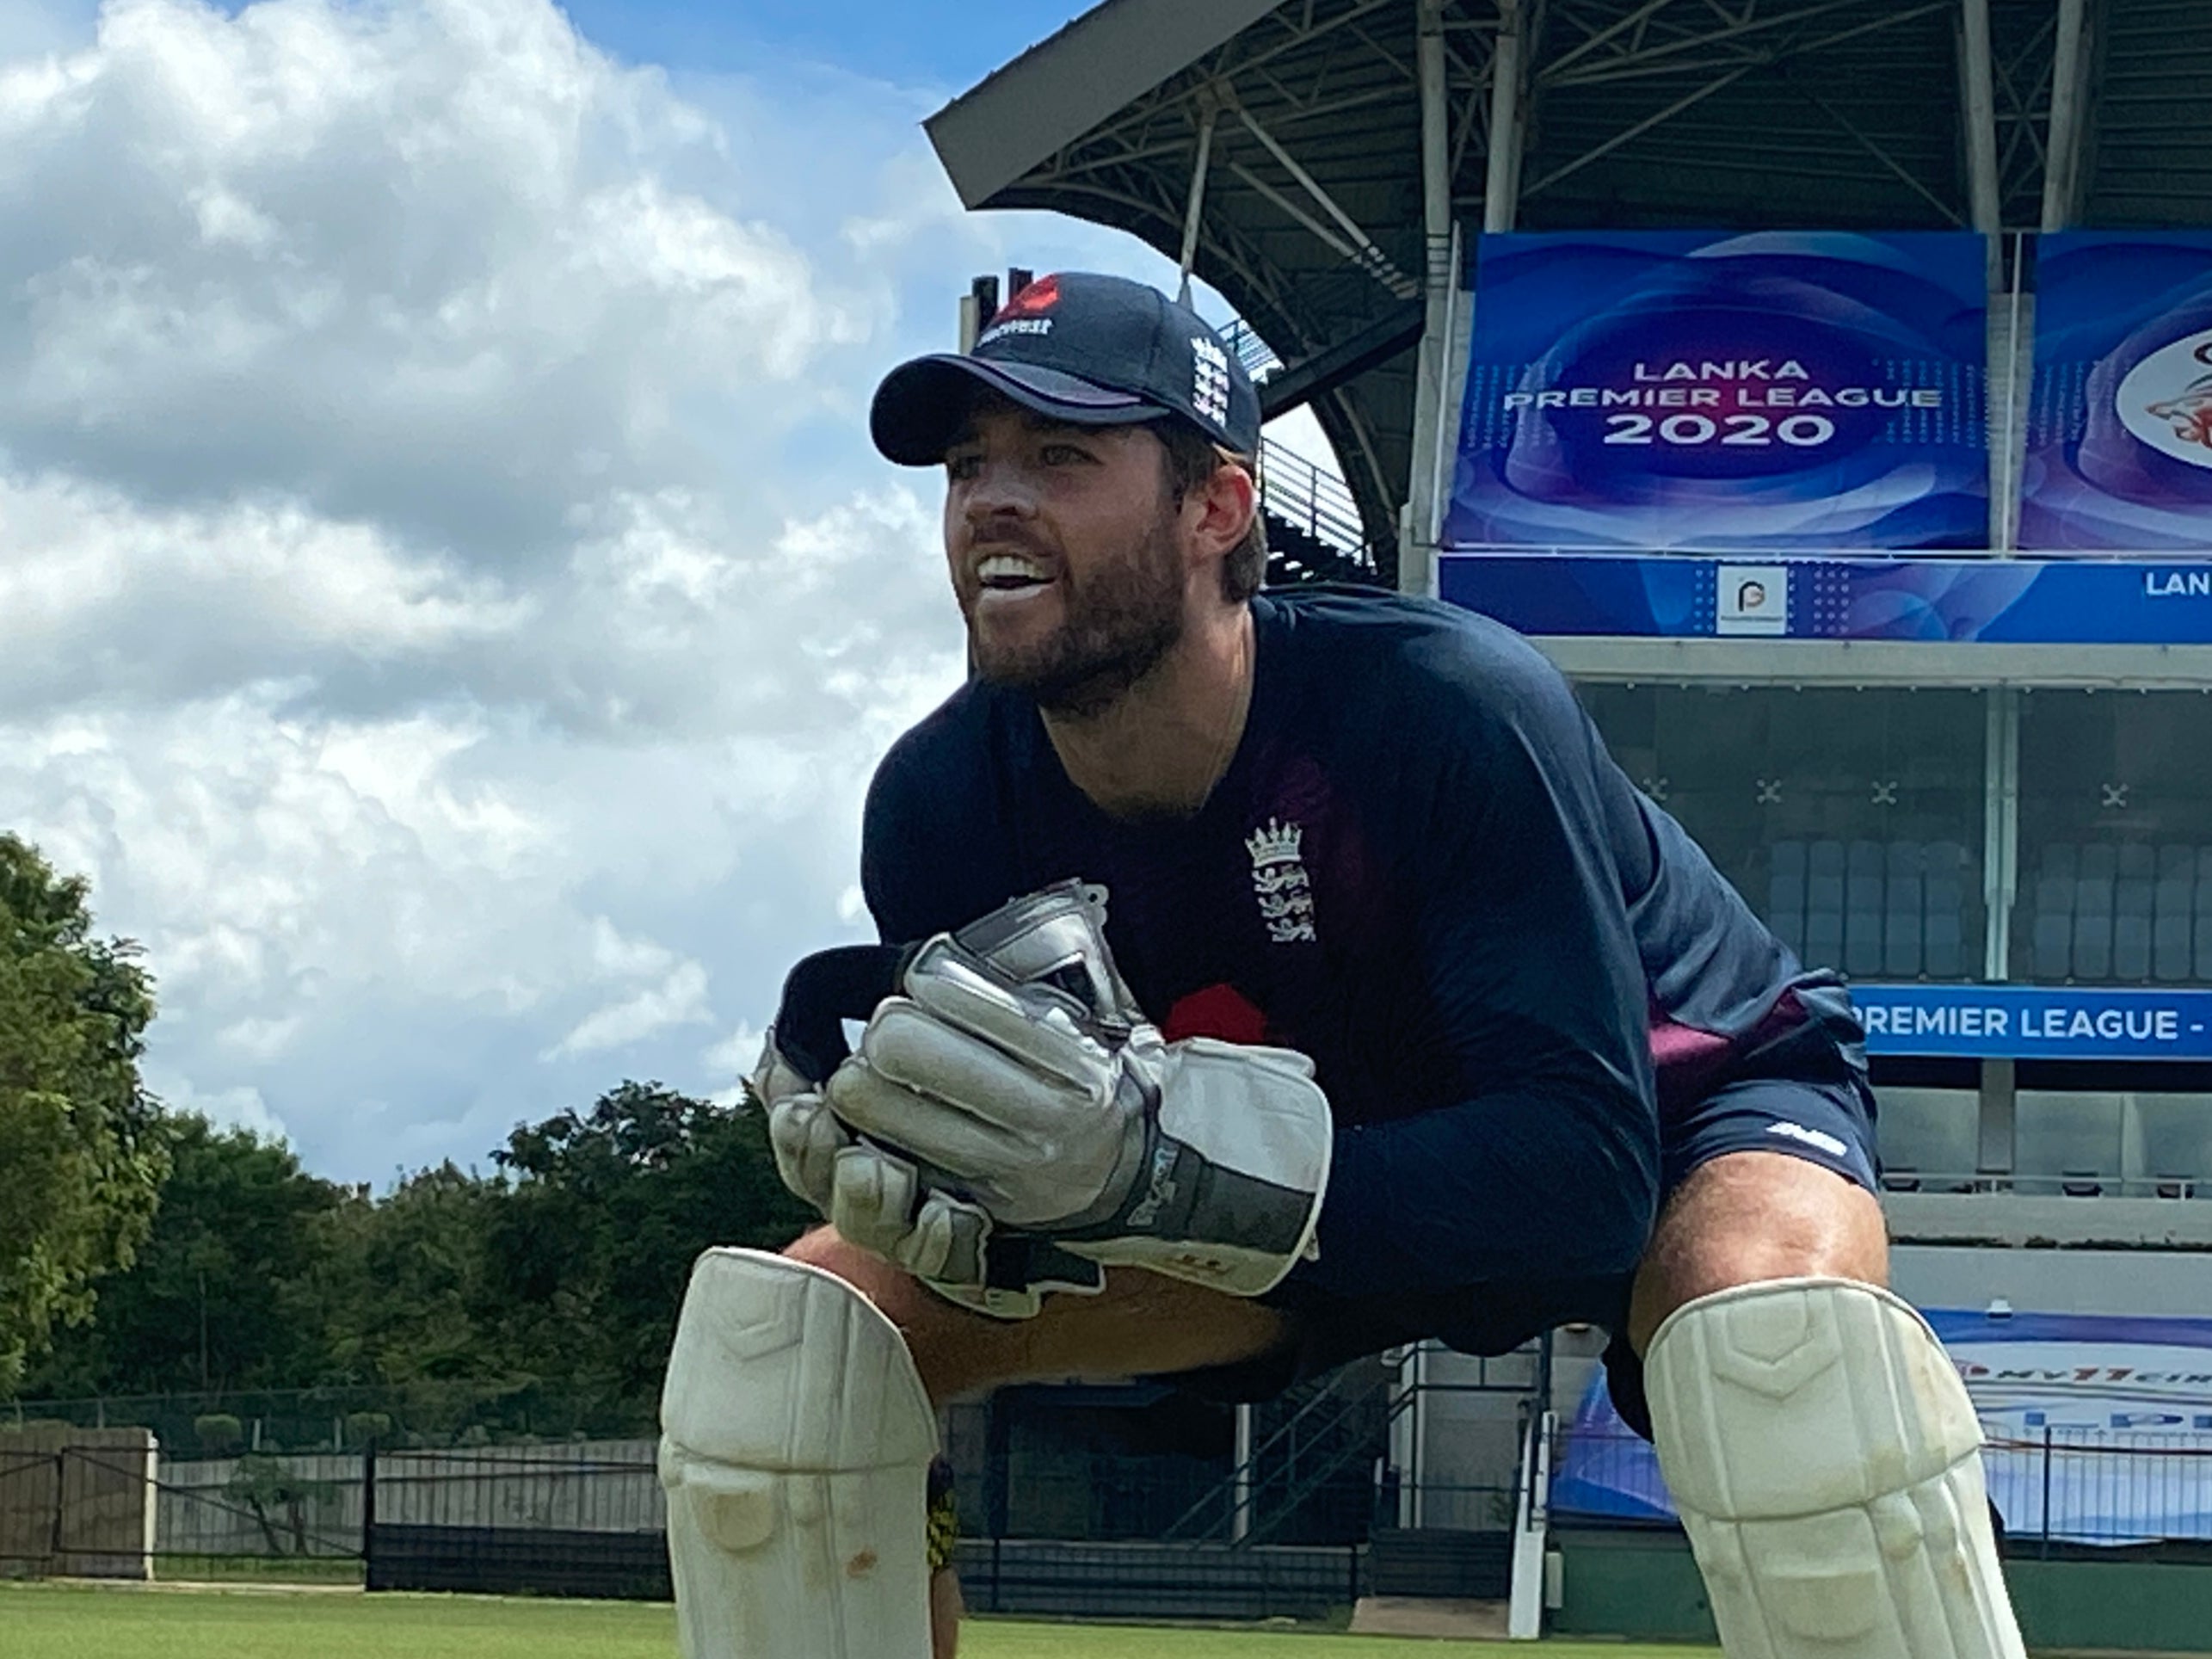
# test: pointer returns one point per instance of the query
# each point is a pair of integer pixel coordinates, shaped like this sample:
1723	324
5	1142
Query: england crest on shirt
1280	883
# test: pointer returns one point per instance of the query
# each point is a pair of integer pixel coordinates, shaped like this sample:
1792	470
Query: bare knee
957	1352
1751	1217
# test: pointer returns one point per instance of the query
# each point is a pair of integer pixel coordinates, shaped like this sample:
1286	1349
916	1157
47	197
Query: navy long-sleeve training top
1422	869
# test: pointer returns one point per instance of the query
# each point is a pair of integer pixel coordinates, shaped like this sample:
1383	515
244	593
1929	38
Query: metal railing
1316	503
1312	500
2052	1489
1341	1423
2042	1183
1258	357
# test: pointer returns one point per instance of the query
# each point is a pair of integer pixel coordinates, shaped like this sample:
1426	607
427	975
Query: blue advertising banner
1995	601
2120	429
2099	1429
2035	1022
1773	391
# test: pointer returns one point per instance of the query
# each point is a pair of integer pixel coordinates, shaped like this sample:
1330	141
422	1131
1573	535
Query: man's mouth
1009	573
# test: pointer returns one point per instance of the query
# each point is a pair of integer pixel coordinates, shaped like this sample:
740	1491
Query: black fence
581	1521
1068	1579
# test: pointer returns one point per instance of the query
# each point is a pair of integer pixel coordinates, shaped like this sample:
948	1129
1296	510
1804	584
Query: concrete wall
2177	1283
76	1502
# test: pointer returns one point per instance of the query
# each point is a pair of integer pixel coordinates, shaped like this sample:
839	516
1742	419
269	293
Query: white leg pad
1828	1466
795	1447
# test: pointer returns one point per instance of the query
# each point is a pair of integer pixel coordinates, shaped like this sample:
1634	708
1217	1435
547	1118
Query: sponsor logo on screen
1751	599
2166	400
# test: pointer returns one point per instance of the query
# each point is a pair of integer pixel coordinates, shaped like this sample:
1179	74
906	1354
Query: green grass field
68	1622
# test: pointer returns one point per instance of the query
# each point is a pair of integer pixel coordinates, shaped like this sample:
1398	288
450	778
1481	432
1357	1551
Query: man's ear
1227	502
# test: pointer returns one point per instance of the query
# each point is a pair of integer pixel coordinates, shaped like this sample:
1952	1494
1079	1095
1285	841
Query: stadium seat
1903	929
1944	955
2204	926
1824	939
2176	859
2053	932
1785	909
2100	861
2092	925
2067	1143
2131	928
1864	907
2062	859
2137	860
1785	893
1943	858
1824	904
1945	896
2175	1134
1928	1139
2171	923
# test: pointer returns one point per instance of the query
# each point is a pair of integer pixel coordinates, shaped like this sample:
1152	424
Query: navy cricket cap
1087	349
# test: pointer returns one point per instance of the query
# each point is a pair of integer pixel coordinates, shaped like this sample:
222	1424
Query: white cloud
447	603
227	1108
678	999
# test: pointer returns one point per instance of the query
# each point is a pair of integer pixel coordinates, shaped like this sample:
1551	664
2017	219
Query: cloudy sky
448	606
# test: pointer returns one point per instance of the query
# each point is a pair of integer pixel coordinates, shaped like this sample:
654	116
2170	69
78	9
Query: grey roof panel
1062	88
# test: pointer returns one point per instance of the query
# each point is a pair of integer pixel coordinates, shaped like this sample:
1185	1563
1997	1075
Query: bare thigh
1141	1325
1748	1217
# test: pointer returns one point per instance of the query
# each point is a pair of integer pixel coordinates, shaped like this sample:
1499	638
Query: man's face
1067	555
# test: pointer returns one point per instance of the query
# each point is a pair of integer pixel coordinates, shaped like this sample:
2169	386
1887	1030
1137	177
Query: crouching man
1270	980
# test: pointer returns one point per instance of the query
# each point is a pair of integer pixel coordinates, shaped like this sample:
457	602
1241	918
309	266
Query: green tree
226	1291
593	1247
82	1153
408	1289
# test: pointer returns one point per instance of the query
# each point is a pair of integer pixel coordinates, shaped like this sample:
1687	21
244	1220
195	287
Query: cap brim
922	406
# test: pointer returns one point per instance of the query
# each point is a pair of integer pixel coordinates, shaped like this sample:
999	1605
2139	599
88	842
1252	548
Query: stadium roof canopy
1284	139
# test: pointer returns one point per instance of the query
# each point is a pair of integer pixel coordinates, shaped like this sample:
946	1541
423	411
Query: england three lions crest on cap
1210	379
1279	882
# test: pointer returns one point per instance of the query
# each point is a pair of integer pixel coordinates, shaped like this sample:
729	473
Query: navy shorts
1829	1123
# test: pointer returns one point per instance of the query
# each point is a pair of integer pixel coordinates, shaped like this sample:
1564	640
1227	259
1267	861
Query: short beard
1119	626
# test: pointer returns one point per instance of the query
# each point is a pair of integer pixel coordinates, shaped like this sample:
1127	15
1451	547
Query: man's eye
962	466
1065	454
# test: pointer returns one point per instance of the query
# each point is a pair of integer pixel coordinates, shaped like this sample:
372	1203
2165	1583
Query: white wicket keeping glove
875	1197
1201	1160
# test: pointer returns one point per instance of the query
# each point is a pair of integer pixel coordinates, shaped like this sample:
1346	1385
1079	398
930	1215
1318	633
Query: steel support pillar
2000	830
2069	108
1977	75
1362	251
1194	209
1501	184
1417	522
